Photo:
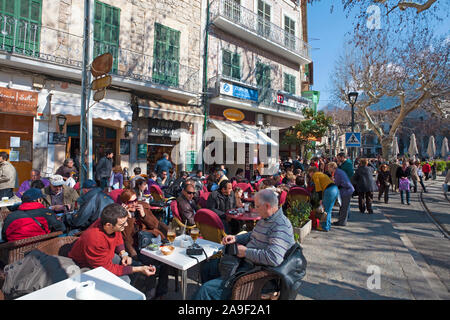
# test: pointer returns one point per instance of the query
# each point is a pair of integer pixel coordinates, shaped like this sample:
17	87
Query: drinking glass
194	234
171	235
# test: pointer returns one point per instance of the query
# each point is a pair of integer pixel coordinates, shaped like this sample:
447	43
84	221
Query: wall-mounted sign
56	138
163	128
238	91
233	115
142	151
289	101
124	146
18	101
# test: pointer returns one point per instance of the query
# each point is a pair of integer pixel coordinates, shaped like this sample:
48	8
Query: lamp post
128	129
353	97
61	122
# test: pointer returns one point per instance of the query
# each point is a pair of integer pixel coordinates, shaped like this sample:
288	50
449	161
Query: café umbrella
395	149
431	150
444	148
413	146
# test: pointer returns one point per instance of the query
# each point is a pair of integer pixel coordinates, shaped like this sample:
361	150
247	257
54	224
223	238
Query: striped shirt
269	241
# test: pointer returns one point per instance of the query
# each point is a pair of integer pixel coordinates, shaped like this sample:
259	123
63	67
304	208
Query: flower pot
303	231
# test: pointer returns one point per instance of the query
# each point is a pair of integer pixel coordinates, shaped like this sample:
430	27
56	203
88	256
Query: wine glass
194	235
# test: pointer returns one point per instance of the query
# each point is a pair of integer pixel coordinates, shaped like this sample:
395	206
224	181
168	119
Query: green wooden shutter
20	23
289	83
231	63
263	82
166	55
106	31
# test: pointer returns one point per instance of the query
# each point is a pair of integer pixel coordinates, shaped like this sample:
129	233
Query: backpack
404	184
35	271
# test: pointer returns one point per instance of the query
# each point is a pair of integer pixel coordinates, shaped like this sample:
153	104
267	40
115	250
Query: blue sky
326	32
329	29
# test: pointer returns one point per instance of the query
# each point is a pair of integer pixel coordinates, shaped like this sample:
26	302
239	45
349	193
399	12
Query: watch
124	255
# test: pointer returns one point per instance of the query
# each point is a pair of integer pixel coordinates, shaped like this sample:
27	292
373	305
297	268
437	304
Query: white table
107	287
10	202
181	261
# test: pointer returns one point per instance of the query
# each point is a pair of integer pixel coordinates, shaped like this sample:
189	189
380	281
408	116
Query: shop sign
288	101
163	128
18	101
57	138
142	151
233	115
238	91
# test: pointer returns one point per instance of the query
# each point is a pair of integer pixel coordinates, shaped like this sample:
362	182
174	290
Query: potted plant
298	213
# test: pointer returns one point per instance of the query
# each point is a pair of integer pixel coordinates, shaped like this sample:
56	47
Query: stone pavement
342	263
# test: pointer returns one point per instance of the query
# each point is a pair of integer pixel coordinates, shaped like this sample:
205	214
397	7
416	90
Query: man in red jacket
101	245
426	169
31	219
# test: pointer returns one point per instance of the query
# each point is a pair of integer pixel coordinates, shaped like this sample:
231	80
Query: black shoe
403	202
371	212
409	204
337	224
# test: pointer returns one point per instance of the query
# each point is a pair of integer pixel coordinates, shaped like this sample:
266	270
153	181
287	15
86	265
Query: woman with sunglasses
140	218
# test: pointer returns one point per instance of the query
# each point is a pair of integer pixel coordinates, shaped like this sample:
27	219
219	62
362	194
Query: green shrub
440	165
298	213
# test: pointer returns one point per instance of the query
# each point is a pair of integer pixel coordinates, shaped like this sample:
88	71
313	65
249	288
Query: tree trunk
386	145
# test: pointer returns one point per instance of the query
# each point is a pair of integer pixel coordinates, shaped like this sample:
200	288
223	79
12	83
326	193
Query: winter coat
104	168
363	179
70	196
220	203
384	178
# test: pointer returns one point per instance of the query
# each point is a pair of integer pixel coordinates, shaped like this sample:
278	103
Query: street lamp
353	97
61	122
128	129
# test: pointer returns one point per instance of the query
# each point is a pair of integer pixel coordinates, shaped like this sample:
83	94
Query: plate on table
233	212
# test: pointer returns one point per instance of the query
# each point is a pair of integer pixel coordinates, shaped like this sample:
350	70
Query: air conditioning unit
259	119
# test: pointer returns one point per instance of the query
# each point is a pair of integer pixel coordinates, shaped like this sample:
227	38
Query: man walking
104	169
7	176
163	164
345	165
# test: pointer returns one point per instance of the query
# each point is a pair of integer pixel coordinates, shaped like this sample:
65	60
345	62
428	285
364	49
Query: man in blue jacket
163	164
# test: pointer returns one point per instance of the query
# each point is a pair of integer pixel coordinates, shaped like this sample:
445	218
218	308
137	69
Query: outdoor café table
250	218
181	261
9	203
107	287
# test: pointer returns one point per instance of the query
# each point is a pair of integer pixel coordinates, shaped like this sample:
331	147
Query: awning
169	111
116	105
243	133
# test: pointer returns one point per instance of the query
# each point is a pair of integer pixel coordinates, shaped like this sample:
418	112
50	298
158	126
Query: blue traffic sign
353	139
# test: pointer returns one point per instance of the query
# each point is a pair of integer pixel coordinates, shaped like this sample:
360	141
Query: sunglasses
190	192
132	201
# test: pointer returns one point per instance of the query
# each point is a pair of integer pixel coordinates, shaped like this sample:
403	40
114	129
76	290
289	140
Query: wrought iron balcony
242	22
56	47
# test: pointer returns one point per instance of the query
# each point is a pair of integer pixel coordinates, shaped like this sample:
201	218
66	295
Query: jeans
421	183
408	196
329	198
384	189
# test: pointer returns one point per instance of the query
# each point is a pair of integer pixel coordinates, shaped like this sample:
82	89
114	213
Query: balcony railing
61	48
249	20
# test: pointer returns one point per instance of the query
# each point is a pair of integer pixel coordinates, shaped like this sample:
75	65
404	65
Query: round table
249	218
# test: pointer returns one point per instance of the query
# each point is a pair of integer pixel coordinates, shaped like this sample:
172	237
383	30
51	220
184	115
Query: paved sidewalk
339	261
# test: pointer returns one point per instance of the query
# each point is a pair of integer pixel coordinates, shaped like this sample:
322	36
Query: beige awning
170	111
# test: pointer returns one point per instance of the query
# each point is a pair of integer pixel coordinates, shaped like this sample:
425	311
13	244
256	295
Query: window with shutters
263	19
231	65
166	55
106	31
20	25
263	81
289	83
289	32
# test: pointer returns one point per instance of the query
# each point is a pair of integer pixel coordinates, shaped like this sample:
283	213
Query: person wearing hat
59	197
31	219
91	203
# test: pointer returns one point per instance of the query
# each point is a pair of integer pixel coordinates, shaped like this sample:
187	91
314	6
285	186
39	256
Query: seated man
35	175
31	219
266	245
91	203
101	245
222	200
186	204
59	197
164	180
174	190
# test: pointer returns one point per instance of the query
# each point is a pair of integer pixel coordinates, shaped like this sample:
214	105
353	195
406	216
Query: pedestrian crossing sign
353	139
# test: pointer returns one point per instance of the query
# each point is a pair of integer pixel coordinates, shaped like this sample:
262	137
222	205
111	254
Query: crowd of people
109	229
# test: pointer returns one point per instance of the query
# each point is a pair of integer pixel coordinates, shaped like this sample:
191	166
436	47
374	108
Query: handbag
144	239
229	262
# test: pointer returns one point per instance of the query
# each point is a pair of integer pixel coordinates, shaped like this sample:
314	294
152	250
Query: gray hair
268	196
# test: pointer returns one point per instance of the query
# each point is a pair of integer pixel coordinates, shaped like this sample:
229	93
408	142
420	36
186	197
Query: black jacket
384	178
363	179
91	206
220	203
403	174
103	168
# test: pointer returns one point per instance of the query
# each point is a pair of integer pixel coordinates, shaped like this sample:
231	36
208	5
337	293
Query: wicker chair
15	250
210	225
59	246
249	287
177	217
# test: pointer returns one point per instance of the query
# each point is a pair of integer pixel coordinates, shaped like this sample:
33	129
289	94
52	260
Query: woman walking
404	182
420	175
384	181
365	186
328	193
